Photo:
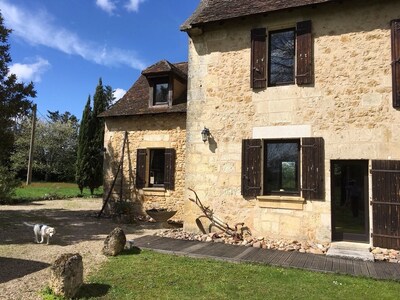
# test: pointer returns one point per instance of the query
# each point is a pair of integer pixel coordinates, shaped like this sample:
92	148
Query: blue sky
65	46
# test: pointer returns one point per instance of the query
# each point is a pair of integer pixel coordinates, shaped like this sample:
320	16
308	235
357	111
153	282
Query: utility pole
29	175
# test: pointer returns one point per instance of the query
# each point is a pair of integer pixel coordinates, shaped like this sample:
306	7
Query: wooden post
29	175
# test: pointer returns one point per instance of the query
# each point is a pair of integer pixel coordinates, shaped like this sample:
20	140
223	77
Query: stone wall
349	106
149	131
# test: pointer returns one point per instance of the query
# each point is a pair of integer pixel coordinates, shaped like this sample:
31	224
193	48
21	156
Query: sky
65	46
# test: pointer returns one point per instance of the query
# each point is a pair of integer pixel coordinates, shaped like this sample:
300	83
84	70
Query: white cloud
30	72
133	5
118	94
106	5
36	28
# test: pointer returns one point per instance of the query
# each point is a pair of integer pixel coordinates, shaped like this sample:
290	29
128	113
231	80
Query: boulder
115	242
66	275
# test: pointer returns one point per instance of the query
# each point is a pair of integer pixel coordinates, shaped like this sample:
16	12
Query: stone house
301	99
152	117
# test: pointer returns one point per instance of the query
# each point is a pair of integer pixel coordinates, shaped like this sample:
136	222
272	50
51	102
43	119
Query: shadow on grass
92	290
133	251
19	267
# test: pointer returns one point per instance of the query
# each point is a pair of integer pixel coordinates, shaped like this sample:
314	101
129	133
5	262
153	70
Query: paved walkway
306	261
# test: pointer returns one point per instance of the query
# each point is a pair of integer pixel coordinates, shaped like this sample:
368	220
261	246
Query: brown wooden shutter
395	28
141	168
313	160
386	203
304	74
169	169
251	168
258	72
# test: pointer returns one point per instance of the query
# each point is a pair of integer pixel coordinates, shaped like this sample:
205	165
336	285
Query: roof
218	10
136	99
162	67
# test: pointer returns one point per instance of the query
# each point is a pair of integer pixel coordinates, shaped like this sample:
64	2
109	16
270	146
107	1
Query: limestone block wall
349	105
149	131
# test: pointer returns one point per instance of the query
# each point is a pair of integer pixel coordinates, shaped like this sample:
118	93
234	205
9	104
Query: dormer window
161	92
167	84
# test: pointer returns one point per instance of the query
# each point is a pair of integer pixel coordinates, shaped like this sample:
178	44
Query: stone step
358	251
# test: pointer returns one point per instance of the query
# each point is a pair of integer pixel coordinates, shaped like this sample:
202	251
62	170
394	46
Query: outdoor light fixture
205	133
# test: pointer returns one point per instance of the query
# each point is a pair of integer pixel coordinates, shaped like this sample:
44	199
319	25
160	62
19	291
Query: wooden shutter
251	168
258	72
304	74
169	169
141	168
395	28
386	203
313	160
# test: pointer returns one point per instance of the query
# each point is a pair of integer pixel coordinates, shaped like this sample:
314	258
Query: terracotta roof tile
217	10
136	99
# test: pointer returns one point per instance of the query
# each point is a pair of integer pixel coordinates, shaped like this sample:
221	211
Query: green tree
89	171
100	103
55	147
14	103
13	97
84	136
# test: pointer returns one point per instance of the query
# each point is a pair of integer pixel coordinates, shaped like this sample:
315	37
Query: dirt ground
24	265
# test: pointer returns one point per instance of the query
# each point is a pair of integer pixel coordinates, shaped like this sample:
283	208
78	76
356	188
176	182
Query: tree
55	147
91	140
109	95
84	136
100	103
13	104
13	97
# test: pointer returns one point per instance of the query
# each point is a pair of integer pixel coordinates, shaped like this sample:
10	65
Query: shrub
8	184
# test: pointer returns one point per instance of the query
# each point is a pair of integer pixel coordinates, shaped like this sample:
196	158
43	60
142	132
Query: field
51	190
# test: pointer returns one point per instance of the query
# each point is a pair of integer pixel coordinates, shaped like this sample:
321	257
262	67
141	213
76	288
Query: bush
8	184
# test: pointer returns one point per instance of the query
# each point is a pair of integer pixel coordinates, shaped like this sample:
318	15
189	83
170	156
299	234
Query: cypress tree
84	137
100	100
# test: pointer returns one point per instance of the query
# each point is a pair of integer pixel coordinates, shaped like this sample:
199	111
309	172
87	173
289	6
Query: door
349	200
386	203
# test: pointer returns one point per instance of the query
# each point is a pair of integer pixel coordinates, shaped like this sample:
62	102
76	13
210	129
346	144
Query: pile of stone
249	241
390	255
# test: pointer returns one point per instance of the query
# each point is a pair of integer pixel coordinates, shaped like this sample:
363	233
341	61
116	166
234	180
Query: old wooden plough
237	231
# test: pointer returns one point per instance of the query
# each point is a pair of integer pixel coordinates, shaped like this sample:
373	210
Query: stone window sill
154	191
282	202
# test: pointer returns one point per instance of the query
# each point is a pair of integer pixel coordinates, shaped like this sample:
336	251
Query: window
155	167
281	167
289	58
160	93
281	57
272	167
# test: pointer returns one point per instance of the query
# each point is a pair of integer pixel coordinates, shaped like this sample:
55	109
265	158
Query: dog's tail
28	224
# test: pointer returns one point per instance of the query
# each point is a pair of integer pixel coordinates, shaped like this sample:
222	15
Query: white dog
43	231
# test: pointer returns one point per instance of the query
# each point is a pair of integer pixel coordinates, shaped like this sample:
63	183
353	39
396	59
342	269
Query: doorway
349	199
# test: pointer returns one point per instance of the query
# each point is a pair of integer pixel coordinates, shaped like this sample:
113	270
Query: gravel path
24	265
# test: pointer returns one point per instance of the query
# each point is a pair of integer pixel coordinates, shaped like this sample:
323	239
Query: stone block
115	242
66	275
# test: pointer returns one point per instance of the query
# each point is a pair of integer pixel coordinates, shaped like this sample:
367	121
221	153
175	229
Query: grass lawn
150	275
51	190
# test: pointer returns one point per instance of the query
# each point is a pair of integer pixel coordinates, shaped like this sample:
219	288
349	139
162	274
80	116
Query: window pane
281	167
281	57
161	93
156	167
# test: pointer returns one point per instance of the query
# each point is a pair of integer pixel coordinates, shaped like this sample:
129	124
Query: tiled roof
162	67
136	99
218	10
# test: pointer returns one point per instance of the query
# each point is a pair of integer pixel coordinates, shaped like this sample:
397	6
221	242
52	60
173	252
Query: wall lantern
205	133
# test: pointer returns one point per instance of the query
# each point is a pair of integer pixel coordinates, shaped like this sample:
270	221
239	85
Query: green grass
150	275
51	190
